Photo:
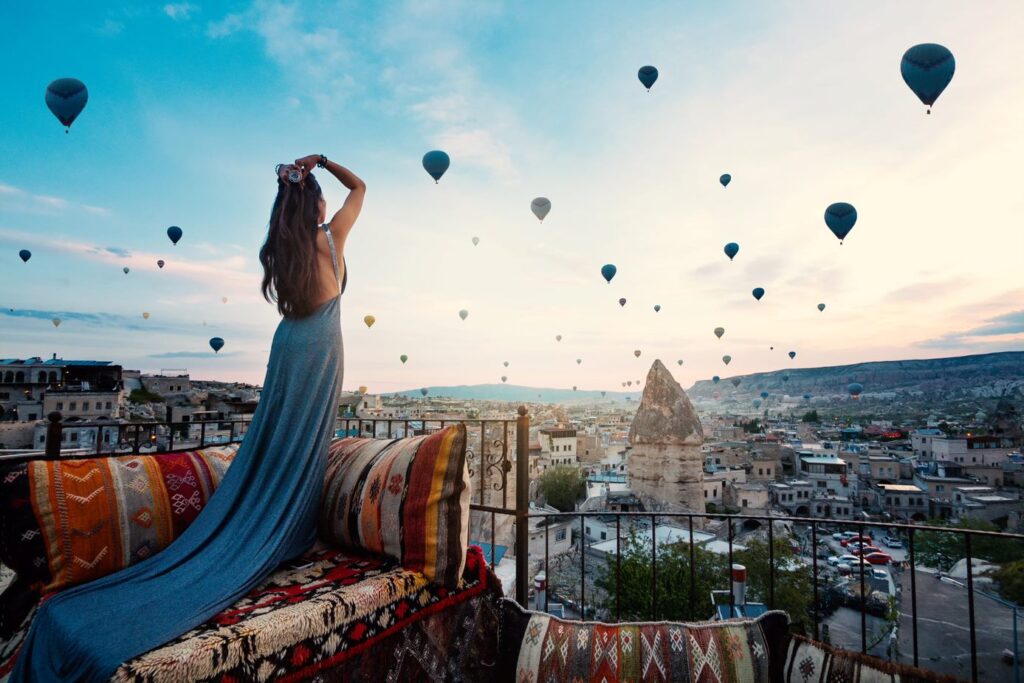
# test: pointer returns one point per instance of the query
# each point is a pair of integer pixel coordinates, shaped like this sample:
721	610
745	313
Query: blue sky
192	104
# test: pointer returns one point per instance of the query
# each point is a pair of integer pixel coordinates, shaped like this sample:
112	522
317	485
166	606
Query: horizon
803	105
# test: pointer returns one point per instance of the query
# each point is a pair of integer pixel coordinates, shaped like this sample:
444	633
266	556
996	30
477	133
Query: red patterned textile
347	617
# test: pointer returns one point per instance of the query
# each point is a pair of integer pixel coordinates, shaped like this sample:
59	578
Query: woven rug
808	661
346	617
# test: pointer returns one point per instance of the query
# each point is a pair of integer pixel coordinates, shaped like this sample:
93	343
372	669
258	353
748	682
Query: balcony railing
497	446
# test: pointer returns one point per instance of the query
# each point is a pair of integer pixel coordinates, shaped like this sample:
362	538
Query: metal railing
862	568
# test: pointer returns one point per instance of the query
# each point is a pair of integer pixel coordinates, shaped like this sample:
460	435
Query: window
705	493
821	484
60	405
588	531
560	534
745	502
85	405
73	406
109	404
760	471
31	417
74	436
604	536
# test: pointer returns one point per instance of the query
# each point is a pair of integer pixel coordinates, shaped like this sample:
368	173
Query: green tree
943	549
794	582
1010	578
562	487
811	416
144	396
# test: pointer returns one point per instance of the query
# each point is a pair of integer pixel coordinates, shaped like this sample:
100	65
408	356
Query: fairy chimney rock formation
666	467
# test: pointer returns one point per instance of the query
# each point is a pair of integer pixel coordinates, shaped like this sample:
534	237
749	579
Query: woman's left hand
307	164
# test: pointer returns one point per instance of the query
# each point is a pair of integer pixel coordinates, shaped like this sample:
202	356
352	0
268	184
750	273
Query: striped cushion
65	522
404	498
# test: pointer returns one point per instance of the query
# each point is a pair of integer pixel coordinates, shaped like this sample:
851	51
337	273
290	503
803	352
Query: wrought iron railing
861	569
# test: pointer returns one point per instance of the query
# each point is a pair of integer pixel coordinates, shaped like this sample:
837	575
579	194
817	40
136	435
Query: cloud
227	26
179	11
1011	323
99	319
928	291
118	251
44	203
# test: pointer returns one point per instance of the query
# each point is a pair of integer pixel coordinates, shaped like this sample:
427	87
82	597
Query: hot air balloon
56	322
629	383
855	389
927	69
716	379
66	98
731	249
764	394
506	364
608	272
216	343
758	292
403	358
579	361
145	315
821	307
463	314
126	269
369	320
623	384
436	163
540	207
726	359
756	402
807	397
840	218
622	301
363	389
503	378
602	394
223	299
785	378
558	337
574	387
637	353
736	381
174	232
792	355
160	264
679	362
25	255
657	307
725	179
647	75
423	391
719	331
476	241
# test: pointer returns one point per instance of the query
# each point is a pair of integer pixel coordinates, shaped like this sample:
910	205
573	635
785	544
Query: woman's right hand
307	163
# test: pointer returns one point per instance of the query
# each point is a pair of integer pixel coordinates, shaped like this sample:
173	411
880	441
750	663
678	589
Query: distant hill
980	376
513	393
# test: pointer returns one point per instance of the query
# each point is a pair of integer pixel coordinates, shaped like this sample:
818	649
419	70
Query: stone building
666	466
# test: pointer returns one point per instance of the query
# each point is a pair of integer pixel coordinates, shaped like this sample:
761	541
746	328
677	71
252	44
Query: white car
891	542
833	560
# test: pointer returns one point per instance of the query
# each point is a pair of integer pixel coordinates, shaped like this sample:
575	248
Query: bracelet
323	162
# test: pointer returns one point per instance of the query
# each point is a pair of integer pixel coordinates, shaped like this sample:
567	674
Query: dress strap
334	254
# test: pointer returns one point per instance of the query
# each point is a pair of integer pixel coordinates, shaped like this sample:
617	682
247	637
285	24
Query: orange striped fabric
405	498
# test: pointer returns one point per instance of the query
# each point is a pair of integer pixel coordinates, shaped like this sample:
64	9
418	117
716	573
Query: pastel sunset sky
192	104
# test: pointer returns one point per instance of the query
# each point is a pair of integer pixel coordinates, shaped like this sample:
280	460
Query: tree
1010	578
794	582
144	396
943	549
811	416
562	487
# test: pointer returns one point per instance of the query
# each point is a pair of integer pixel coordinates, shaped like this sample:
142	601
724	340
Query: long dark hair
290	264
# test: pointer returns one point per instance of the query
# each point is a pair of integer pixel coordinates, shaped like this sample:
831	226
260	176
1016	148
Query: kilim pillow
808	661
404	498
65	522
535	646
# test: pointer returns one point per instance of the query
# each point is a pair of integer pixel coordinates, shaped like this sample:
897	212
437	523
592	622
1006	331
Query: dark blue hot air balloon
647	75
807	397
757	402
436	163
785	378
608	272
840	218
855	389
175	233
622	301
792	355
25	255
731	250
736	381
66	98
716	379
725	179
424	391
216	343
764	394
758	292
927	69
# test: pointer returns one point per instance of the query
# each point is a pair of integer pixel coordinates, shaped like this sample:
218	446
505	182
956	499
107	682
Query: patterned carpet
347	617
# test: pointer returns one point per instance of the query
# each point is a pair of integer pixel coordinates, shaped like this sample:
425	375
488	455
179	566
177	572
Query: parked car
879	573
839	535
892	542
855	538
850	559
878	558
833	560
865	550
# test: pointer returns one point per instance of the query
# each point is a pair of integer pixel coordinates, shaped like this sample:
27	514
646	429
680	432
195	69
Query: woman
264	511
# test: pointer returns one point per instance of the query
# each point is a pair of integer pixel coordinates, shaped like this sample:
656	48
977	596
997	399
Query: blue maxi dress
263	513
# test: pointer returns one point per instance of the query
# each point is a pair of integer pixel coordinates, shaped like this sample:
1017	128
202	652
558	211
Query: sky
191	105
